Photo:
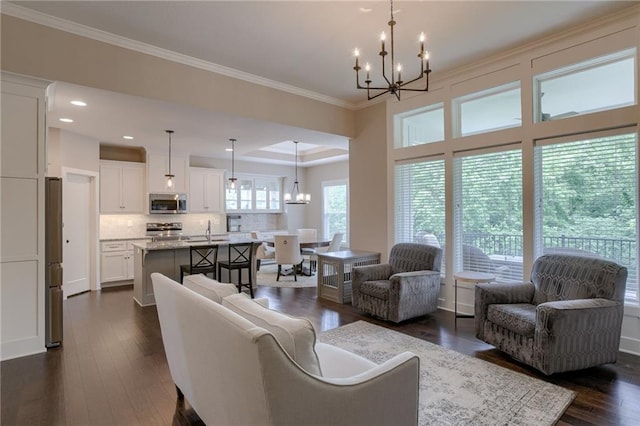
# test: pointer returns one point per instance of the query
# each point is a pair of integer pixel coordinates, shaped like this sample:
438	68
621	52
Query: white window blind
419	203
488	214
335	209
587	203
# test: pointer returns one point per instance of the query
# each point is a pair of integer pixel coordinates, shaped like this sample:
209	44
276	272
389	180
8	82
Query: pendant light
295	196
169	176
233	179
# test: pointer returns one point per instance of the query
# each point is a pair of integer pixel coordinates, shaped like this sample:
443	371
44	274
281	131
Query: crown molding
106	37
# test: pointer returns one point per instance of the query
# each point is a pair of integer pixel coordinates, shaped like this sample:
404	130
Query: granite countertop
173	245
124	239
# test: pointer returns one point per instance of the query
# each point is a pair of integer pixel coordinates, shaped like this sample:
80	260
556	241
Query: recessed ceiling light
229	149
78	103
66	120
127	137
365	10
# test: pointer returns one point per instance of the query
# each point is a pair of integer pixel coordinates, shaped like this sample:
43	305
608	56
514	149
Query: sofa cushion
517	317
211	289
296	335
378	289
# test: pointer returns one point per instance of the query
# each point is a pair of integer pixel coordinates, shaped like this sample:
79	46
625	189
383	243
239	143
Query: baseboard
630	346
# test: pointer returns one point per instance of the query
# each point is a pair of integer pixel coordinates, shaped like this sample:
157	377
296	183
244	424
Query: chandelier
233	179
394	81
169	176
295	196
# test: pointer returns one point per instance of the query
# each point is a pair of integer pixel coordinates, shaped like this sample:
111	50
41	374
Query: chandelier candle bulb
357	54
383	37
422	43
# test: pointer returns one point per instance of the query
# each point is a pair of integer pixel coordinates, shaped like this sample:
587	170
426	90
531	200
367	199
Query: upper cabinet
206	188
122	187
158	167
259	194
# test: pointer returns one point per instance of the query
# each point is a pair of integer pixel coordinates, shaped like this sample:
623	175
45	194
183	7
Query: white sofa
234	372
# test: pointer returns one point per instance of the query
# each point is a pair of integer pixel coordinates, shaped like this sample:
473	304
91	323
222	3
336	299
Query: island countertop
166	257
172	245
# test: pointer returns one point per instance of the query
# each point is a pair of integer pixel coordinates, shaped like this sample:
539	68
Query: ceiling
305	47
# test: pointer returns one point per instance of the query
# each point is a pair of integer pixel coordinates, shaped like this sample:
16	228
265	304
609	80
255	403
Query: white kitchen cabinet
206	189
158	167
122	187
116	261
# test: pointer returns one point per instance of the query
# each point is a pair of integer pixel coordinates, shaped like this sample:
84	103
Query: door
77	223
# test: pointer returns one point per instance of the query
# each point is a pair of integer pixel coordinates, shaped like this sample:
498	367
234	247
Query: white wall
68	149
22	257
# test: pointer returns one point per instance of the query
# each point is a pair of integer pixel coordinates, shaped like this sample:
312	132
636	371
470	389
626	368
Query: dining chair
334	245
288	253
308	235
264	252
240	257
202	260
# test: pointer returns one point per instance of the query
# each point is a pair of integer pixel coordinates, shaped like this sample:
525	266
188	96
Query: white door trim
94	221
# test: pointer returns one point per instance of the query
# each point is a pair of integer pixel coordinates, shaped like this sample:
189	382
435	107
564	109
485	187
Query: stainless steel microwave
167	203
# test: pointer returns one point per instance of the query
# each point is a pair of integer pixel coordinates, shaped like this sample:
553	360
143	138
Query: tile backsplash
135	225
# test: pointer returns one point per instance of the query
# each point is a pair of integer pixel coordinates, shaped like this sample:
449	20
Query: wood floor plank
112	370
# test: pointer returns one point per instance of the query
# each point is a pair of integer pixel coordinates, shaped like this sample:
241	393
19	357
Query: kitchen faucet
208	231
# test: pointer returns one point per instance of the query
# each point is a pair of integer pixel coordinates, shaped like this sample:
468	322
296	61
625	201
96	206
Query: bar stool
240	257
202	260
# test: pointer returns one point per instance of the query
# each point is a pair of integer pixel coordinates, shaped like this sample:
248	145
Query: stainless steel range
165	231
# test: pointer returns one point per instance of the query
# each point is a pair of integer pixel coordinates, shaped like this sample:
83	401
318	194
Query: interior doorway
80	227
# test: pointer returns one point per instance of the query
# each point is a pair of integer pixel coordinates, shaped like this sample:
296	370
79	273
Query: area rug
456	389
268	273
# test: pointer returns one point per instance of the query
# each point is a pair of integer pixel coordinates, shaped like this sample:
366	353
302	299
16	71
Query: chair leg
279	271
250	283
258	265
295	272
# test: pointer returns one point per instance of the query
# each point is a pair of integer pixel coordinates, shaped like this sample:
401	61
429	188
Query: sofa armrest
408	284
577	331
371	272
336	362
360	274
493	293
385	394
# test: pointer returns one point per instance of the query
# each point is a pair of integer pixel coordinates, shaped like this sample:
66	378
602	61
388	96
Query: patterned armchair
569	316
406	287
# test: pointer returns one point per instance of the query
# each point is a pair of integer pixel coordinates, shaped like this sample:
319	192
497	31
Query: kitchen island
166	257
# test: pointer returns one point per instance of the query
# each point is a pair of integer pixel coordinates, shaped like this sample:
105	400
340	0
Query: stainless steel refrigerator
53	262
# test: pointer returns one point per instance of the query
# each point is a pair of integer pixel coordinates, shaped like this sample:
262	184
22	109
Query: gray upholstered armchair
569	316
406	287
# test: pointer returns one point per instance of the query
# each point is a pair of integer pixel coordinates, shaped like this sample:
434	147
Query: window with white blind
586	191
419	203
488	214
335	209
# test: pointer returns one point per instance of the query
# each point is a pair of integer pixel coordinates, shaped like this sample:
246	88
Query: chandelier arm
411	81
379	94
384	74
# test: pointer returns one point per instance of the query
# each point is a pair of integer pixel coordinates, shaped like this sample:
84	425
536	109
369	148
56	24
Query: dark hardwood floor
112	369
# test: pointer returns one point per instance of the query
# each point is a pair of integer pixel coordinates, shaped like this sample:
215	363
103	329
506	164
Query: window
488	110
586	192
419	203
421	126
335	209
596	85
267	194
255	193
488	214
